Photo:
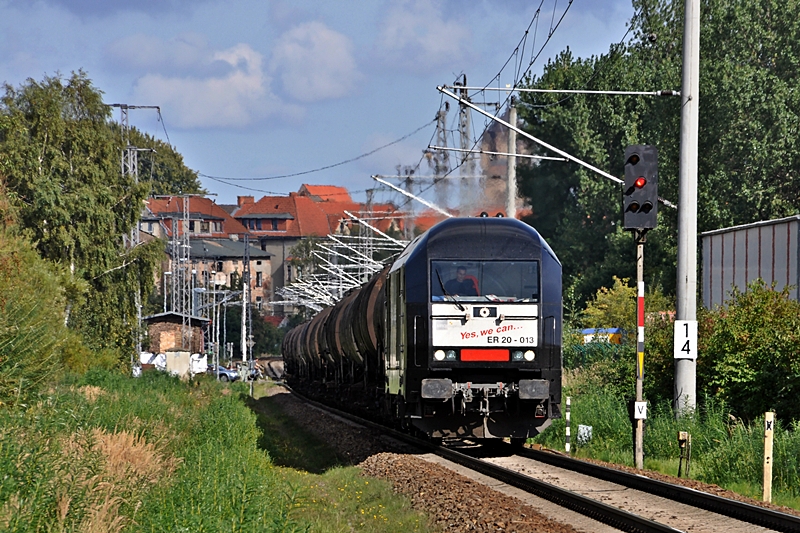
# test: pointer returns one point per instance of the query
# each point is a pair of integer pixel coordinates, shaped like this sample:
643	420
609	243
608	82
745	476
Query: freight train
460	337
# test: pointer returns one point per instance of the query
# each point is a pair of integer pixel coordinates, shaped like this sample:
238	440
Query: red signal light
640	182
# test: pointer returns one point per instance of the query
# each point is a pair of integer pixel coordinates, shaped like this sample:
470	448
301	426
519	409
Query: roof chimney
241	200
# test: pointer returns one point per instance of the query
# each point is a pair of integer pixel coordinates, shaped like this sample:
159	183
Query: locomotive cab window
485	281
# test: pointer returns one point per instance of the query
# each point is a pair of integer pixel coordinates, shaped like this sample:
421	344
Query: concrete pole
511	187
685	393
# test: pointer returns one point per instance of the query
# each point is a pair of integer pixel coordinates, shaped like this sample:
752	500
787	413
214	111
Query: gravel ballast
453	501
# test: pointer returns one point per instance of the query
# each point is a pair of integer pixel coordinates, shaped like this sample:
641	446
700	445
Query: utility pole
130	167
441	158
467	162
685	393
185	277
511	187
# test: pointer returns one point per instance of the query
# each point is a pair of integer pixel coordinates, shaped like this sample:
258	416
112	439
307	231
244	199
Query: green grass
725	451
333	496
104	452
288	443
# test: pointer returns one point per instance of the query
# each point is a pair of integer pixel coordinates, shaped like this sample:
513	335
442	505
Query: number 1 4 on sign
685	339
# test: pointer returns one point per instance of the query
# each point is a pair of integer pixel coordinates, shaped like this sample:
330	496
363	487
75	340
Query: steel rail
745	512
594	509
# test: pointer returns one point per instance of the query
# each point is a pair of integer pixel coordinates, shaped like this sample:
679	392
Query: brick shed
164	331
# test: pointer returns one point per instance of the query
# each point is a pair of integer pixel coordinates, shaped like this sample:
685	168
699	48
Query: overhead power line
570	91
404	137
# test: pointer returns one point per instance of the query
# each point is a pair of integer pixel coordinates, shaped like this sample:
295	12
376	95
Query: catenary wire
226	180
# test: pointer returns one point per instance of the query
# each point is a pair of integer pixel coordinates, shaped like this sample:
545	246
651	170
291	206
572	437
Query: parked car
225	374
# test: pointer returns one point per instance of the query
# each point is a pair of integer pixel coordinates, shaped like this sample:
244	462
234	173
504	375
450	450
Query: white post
567	445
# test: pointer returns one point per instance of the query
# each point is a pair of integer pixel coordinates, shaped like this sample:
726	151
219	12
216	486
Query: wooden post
769	425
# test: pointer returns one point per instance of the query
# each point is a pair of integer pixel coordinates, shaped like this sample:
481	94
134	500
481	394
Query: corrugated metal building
741	254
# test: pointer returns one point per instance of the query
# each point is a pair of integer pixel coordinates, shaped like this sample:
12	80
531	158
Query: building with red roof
217	244
325	193
281	222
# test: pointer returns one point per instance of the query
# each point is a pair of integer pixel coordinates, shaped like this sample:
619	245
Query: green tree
267	337
749	114
163	168
303	258
59	160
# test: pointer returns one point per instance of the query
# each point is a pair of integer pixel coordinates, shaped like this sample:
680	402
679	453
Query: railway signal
640	190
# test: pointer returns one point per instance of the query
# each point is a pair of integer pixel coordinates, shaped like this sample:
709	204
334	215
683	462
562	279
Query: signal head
640	188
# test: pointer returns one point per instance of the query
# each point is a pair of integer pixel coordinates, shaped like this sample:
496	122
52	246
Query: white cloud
186	53
236	99
416	37
314	63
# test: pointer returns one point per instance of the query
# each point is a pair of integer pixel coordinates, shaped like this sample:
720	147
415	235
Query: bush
32	312
751	356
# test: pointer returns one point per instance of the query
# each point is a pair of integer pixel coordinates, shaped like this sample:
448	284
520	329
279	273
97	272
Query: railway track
729	515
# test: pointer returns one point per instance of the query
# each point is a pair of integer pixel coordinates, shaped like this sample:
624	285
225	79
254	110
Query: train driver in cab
461	285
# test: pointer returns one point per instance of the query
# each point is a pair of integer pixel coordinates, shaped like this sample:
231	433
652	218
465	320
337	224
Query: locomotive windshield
485	281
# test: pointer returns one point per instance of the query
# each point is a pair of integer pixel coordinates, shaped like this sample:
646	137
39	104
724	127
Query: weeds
106	453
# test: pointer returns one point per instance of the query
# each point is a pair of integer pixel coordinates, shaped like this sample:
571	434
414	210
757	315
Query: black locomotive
459	337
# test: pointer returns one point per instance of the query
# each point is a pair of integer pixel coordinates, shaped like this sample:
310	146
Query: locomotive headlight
516	355
438	355
451	355
529	355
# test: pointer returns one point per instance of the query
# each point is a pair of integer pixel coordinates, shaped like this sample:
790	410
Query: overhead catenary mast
467	189
441	158
245	297
130	167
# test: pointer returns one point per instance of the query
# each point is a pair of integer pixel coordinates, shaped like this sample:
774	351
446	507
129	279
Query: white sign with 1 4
685	339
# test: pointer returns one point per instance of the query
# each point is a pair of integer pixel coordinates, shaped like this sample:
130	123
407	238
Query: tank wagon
459	337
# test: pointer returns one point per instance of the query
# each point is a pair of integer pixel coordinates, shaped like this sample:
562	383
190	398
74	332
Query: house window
219	266
274	224
258	263
191	226
204	227
217	226
288	273
258	224
259	302
259	279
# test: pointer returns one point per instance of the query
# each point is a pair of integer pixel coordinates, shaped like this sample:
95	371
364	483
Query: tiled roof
311	219
301	214
200	207
325	193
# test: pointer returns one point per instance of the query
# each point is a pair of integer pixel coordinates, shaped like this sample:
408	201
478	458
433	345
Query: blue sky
257	88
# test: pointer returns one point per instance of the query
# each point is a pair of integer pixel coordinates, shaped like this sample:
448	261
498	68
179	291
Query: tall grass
107	453
725	451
